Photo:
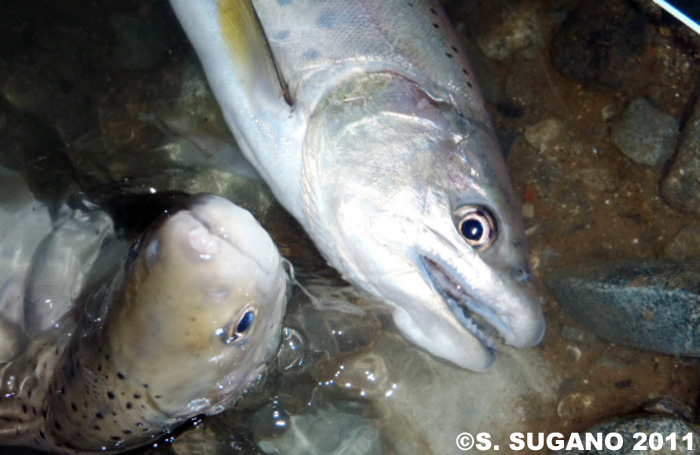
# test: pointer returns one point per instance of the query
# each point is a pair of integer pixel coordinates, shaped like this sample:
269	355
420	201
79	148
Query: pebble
681	186
600	44
326	431
648	425
644	134
544	134
518	30
686	244
646	304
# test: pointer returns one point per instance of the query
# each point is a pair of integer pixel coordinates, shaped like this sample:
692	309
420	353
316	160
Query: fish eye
240	329
476	225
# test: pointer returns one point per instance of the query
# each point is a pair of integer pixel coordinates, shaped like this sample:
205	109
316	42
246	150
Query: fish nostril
522	275
203	241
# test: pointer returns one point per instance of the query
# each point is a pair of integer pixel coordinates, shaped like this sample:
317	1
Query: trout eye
476	225
239	329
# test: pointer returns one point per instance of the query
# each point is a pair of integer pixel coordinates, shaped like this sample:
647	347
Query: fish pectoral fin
249	48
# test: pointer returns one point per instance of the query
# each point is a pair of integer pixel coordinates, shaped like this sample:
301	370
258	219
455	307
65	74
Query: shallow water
107	98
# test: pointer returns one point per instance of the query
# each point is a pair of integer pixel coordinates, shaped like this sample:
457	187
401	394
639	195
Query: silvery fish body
186	323
364	119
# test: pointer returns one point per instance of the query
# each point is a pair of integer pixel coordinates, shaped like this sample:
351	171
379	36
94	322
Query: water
107	98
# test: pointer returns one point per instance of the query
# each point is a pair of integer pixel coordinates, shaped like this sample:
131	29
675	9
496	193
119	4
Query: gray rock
681	186
326	431
648	425
600	44
644	134
646	304
686	244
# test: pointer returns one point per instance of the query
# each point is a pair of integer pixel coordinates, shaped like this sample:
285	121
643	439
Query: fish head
422	214
201	309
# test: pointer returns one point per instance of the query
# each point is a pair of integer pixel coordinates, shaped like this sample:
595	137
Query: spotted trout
181	330
365	120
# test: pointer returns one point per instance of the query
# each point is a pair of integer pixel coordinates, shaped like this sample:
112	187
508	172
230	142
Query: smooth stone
326	431
518	30
646	304
647	424
600	44
681	186
644	134
686	244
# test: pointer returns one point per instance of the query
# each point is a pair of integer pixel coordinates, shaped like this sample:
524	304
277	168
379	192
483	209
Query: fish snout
527	325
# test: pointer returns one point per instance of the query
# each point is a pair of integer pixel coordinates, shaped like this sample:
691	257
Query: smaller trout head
412	201
201	308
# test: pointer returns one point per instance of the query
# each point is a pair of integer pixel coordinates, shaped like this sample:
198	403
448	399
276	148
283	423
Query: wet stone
600	44
648	425
518	30
544	134
686	244
646	304
681	186
327	431
644	134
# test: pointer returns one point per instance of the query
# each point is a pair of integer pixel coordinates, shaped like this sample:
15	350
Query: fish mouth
481	321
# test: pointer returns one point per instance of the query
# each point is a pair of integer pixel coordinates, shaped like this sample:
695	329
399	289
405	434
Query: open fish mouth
480	321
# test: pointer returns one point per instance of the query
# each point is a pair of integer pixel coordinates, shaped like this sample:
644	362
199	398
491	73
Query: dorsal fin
247	42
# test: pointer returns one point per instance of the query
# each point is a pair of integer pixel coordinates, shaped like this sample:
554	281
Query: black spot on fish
24	408
121	376
145	386
107	357
36	441
139	424
448	55
158	397
137	396
328	19
57	425
73	406
29	393
115	438
455	50
97	427
436	26
433	11
127	431
99	415
111	395
99	368
410	4
129	405
42	434
470	84
464	70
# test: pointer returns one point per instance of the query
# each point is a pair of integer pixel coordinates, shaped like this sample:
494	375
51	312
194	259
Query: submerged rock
646	304
600	44
326	431
686	244
686	438
644	134
681	187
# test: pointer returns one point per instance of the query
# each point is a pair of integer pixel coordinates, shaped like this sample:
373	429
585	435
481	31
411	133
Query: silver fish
366	122
185	327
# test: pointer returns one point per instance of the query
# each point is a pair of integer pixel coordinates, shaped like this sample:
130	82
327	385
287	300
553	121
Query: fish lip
481	322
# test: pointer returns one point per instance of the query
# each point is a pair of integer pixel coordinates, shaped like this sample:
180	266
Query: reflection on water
107	98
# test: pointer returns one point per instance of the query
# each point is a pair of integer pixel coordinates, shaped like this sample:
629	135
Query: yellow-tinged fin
247	42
